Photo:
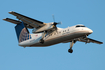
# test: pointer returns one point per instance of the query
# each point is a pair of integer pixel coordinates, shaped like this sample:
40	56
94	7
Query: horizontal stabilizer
12	21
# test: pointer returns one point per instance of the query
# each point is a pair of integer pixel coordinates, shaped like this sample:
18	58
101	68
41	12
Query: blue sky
91	56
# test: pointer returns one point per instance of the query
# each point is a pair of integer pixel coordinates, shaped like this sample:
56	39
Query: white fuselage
59	36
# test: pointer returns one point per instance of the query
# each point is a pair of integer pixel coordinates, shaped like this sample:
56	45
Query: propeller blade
56	23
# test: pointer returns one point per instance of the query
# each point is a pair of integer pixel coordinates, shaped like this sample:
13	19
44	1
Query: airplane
47	34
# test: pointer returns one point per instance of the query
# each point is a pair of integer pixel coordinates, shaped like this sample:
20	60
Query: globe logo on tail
24	35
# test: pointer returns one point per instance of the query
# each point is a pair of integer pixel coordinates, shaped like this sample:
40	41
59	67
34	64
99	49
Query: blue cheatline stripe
22	33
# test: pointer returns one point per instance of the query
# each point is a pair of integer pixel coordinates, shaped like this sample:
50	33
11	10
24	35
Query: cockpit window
77	26
80	26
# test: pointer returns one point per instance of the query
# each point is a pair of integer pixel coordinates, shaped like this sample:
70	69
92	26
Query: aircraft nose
90	31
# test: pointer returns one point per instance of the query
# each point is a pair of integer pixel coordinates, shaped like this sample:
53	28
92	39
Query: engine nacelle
44	28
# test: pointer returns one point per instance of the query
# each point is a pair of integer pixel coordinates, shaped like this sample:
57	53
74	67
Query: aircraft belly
59	39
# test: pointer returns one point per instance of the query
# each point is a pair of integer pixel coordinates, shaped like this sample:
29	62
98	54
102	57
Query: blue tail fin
22	33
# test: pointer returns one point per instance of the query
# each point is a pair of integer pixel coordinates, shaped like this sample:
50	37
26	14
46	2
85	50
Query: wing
88	40
12	21
16	22
29	21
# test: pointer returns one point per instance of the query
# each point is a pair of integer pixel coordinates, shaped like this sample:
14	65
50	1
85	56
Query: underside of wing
88	40
94	41
29	21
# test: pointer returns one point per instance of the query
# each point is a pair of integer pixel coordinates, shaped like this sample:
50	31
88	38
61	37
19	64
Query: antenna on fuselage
53	17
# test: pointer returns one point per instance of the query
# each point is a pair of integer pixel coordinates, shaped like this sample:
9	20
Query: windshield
80	26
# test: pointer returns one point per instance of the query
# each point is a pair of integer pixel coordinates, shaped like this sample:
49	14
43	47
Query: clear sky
91	56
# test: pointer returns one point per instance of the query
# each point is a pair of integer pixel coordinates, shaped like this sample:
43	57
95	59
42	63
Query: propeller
55	23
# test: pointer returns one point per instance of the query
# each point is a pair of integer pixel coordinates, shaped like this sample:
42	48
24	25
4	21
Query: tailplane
21	32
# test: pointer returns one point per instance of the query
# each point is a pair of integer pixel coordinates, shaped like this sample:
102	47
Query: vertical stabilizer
21	32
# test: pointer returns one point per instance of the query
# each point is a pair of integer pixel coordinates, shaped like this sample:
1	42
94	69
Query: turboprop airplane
46	34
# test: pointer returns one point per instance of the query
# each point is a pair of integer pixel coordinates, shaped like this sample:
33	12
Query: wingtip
5	18
101	43
10	12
